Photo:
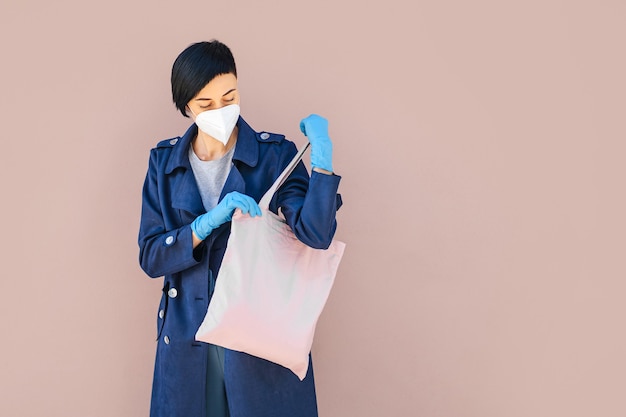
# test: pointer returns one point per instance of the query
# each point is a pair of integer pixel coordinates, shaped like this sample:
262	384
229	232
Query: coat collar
246	150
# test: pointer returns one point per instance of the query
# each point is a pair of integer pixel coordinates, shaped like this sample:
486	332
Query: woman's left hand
315	128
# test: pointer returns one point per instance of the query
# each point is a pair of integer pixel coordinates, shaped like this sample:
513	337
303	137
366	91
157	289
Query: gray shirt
211	176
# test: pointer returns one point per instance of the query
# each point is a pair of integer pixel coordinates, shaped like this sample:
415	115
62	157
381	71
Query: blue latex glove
203	225
315	128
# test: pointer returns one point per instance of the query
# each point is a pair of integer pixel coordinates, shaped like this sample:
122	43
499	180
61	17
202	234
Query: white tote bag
271	288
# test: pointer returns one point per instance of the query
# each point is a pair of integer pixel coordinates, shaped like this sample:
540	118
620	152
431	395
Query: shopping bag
271	288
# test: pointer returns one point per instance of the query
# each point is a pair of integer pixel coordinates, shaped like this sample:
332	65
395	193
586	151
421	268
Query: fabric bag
271	288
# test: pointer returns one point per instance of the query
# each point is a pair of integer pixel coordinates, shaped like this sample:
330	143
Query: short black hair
195	67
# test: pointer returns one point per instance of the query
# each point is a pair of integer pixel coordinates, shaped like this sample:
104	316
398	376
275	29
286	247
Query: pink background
482	147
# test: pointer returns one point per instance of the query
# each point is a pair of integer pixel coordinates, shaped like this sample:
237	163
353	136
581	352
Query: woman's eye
228	100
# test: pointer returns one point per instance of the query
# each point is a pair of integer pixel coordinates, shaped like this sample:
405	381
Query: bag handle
267	197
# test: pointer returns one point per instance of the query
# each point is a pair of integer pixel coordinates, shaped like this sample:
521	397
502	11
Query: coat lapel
234	182
185	193
246	152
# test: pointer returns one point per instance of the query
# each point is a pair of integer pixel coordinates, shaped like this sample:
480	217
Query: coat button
173	292
265	136
166	339
173	141
169	240
161	314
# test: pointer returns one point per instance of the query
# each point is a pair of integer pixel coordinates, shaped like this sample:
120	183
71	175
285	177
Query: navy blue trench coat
171	201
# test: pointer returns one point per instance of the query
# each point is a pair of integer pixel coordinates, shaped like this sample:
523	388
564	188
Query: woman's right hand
203	225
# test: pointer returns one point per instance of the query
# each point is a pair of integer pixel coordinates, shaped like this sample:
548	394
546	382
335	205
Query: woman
193	185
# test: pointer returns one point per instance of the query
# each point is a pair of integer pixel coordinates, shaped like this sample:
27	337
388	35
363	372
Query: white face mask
218	123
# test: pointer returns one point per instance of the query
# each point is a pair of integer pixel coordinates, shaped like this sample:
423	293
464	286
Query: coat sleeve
162	250
309	204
